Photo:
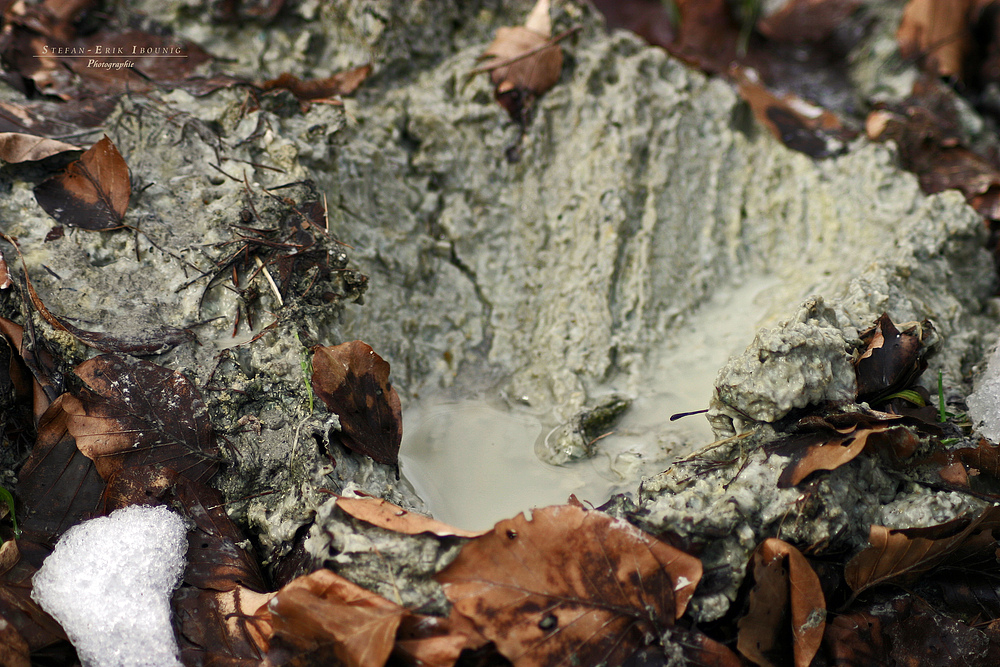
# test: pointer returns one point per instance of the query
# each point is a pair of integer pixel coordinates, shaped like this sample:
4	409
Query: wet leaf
18	147
830	442
19	561
58	485
324	616
341	83
786	603
384	514
569	584
14	650
937	33
134	413
905	631
353	382
428	641
221	627
901	556
92	193
892	360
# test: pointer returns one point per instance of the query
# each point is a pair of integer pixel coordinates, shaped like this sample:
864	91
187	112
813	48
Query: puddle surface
474	462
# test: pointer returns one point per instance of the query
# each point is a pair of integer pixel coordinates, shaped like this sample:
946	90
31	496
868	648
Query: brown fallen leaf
324	617
19	561
19	147
892	359
428	641
384	514
353	382
830	442
14	650
134	413
524	62
901	556
806	20
92	193
905	630
341	83
55	119
58	485
786	595
569	585
937	32
798	124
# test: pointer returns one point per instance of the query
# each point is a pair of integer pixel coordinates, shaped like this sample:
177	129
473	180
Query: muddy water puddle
473	461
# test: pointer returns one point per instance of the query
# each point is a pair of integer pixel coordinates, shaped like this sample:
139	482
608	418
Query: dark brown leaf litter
892	359
826	443
570	584
787	614
906	631
93	193
310	90
353	382
133	413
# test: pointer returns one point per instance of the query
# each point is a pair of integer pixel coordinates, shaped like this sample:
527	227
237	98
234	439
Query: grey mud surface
643	189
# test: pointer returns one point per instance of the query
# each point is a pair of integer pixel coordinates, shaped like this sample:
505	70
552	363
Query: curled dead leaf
569	584
903	555
341	83
786	593
892	359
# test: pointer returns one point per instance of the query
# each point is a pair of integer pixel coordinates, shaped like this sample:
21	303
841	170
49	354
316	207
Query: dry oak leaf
786	593
569	586
326	616
92	193
938	32
19	147
353	382
382	513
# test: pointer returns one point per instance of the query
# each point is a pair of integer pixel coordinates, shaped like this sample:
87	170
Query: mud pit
647	231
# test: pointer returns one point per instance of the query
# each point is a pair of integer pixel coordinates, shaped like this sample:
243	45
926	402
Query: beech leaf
134	413
937	32
92	193
324	616
19	147
786	593
353	382
382	513
901	556
569	586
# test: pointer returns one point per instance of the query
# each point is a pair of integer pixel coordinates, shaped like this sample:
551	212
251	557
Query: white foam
109	583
